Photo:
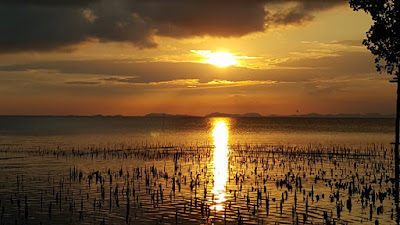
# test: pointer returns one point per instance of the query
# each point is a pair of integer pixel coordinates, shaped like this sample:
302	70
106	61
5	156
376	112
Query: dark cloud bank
43	25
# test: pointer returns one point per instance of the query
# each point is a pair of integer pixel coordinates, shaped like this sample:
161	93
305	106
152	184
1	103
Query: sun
221	59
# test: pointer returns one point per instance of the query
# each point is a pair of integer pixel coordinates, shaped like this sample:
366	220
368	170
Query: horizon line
214	114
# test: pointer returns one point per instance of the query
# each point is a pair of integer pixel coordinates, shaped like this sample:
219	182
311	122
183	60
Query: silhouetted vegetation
383	39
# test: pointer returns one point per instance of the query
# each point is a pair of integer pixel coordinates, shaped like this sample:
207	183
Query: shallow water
67	132
196	171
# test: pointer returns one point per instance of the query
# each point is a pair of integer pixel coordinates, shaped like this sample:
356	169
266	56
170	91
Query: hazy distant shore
232	115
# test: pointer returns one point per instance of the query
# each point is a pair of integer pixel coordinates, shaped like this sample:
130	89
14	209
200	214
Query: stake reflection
220	162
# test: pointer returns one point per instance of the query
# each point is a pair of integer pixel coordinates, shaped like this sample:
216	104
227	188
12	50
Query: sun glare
221	160
221	59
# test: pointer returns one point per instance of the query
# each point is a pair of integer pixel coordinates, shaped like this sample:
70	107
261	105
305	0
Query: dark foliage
383	39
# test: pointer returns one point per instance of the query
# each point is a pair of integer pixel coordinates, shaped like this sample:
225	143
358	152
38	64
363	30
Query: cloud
43	27
120	80
327	84
341	64
189	83
68	3
198	18
47	25
82	82
351	43
130	71
294	12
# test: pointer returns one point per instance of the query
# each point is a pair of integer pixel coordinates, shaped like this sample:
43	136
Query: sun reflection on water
220	162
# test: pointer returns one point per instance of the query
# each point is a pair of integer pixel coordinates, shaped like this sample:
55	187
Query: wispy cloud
82	82
191	83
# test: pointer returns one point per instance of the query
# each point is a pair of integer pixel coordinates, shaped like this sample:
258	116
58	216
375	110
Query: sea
196	170
27	132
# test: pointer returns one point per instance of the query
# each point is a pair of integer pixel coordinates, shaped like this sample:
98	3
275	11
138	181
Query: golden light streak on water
220	161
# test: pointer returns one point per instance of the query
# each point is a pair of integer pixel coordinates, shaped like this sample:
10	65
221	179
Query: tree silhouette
383	40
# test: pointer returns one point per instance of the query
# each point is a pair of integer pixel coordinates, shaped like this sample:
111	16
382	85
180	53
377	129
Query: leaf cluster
383	38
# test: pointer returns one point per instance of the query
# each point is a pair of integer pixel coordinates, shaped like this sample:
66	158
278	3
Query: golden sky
136	57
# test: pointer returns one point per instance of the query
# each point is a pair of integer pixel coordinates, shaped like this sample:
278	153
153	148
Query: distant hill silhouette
217	114
167	115
369	115
310	115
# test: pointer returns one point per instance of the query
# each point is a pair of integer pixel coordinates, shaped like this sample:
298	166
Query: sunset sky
133	57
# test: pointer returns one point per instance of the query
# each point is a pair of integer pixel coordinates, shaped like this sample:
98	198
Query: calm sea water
67	132
151	170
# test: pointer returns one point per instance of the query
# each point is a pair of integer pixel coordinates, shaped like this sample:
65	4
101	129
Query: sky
134	57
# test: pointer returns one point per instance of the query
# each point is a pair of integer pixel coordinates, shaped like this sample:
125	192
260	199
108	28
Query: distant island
257	115
316	115
168	115
233	115
217	114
